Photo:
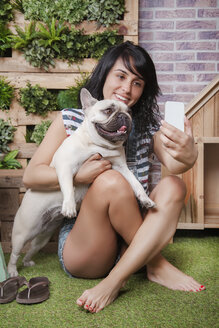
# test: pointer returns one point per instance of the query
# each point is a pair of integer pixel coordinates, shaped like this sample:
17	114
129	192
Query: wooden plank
198	226
19	135
212	225
26	150
196	103
17	63
46	80
10	114
11	178
32	119
216	115
198	124
132	7
208	118
207	140
199	185
211	182
9	201
51	247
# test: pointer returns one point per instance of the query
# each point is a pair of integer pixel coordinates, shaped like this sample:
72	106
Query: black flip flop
37	291
9	289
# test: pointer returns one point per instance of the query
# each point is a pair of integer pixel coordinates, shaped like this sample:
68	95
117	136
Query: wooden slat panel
9	201
46	80
17	63
32	119
216	115
208	118
11	178
199	185
131	7
198	124
26	150
211	180
51	247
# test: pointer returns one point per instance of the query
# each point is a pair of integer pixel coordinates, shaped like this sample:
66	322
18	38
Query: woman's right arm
39	175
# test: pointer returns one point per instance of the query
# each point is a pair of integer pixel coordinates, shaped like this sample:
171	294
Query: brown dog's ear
86	99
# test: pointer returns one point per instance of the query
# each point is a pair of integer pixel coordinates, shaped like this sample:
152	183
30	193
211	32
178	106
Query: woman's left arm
175	149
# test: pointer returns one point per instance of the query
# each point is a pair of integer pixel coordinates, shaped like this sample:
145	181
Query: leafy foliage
6	14
18	5
24	38
100	42
38	100
9	161
69	98
39	131
41	43
6	94
105	12
39	56
6	135
5	39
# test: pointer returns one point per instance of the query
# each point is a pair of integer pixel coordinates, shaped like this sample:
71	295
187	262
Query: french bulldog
105	128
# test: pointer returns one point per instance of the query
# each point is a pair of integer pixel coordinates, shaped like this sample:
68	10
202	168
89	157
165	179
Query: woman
89	246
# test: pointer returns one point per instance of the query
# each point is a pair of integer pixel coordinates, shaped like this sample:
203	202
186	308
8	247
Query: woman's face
123	85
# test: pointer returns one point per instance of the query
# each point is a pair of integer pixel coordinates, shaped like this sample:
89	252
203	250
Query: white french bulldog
106	126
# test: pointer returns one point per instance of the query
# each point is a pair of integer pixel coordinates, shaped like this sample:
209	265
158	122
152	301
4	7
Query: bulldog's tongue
123	129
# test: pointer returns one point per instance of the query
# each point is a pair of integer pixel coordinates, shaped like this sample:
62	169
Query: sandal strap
31	287
7	281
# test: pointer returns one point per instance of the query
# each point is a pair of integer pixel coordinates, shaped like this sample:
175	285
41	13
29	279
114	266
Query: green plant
105	12
50	35
39	56
24	38
100	42
40	10
69	98
6	38
6	14
73	12
74	46
37	100
9	161
6	94
39	132
18	5
6	135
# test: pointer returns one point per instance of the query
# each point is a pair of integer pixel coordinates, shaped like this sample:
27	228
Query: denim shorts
66	227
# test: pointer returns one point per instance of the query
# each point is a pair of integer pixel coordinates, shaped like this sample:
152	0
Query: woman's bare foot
98	297
162	272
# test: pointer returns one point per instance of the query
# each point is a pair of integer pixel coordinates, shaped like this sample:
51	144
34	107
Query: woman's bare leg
108	209
155	232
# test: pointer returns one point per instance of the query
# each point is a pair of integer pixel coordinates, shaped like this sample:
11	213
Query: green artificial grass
141	304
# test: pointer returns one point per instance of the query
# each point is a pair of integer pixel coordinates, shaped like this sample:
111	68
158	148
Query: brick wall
182	38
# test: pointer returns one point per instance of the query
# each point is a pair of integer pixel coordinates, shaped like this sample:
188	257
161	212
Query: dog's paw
69	209
146	201
28	263
12	271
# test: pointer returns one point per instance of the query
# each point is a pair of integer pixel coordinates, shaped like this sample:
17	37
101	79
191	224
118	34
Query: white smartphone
174	114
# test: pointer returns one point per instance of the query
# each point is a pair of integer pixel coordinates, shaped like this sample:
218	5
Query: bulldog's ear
86	99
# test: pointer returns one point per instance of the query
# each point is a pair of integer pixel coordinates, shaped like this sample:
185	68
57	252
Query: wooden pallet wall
19	72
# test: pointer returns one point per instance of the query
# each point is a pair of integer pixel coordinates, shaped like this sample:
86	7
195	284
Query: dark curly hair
146	111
